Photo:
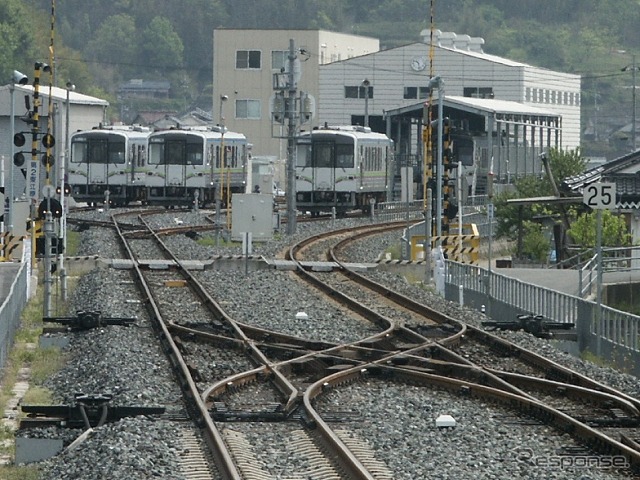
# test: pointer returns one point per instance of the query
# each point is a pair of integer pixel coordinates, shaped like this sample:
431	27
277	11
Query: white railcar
108	159
185	164
342	168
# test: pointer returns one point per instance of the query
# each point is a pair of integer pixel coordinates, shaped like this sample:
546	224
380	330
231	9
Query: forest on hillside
99	44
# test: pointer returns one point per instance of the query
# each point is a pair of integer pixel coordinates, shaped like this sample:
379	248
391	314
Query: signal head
19	78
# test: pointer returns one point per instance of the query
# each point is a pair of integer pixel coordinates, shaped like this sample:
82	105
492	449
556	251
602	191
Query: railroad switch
88	411
536	325
86	320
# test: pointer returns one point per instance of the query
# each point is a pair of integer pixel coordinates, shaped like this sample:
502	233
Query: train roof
204	132
356	131
124	130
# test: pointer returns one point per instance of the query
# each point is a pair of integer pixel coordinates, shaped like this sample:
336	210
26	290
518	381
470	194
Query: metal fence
12	307
603	331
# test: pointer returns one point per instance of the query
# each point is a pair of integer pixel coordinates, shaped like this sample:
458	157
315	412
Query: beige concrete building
244	62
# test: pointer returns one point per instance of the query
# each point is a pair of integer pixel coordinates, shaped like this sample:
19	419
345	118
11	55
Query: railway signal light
19	139
48	140
49	205
66	190
18	159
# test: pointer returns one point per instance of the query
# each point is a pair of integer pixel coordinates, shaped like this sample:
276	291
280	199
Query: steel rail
211	434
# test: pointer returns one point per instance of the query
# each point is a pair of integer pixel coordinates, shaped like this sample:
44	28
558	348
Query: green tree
161	47
614	230
535	245
563	164
18	50
114	51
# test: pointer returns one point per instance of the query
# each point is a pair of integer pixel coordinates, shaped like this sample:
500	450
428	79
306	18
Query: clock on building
418	63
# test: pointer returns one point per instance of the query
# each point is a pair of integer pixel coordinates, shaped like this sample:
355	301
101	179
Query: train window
174	153
156	152
194	154
116	152
344	156
323	154
97	152
303	157
79	151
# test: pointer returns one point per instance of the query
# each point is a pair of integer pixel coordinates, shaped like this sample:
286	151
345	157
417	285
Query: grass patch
73	242
45	362
20	473
395	251
211	242
38	396
593	358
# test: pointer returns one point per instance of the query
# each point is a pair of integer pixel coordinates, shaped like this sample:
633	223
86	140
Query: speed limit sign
600	196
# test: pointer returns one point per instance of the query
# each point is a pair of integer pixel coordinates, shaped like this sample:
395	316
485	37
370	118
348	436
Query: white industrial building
399	77
513	111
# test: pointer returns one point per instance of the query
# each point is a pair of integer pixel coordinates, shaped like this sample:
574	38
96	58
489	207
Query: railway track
245	374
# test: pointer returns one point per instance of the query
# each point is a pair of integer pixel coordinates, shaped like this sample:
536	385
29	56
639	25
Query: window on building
248	109
478	92
410	92
357	92
279	59
423	92
246	59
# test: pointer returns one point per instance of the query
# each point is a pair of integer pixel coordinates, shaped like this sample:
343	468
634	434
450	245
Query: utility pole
633	69
291	143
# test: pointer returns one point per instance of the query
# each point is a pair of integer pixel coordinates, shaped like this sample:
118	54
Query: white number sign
600	196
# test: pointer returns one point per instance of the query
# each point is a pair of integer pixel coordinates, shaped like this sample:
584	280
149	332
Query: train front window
97	151
79	151
303	154
156	152
323	155
344	156
194	154
116	152
174	153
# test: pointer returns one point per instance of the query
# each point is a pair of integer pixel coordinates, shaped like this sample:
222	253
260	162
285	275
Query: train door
175	168
97	167
324	172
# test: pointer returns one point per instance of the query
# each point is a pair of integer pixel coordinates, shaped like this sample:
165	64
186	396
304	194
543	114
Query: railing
505	297
390	211
587	277
11	308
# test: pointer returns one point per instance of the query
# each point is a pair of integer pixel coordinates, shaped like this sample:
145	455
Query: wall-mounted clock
419	63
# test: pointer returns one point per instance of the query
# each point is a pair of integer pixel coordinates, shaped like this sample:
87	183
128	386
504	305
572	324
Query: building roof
480	106
623	171
59	94
492	105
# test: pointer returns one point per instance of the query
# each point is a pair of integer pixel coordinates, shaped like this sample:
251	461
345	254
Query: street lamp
20	79
63	201
436	82
365	84
218	194
633	68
